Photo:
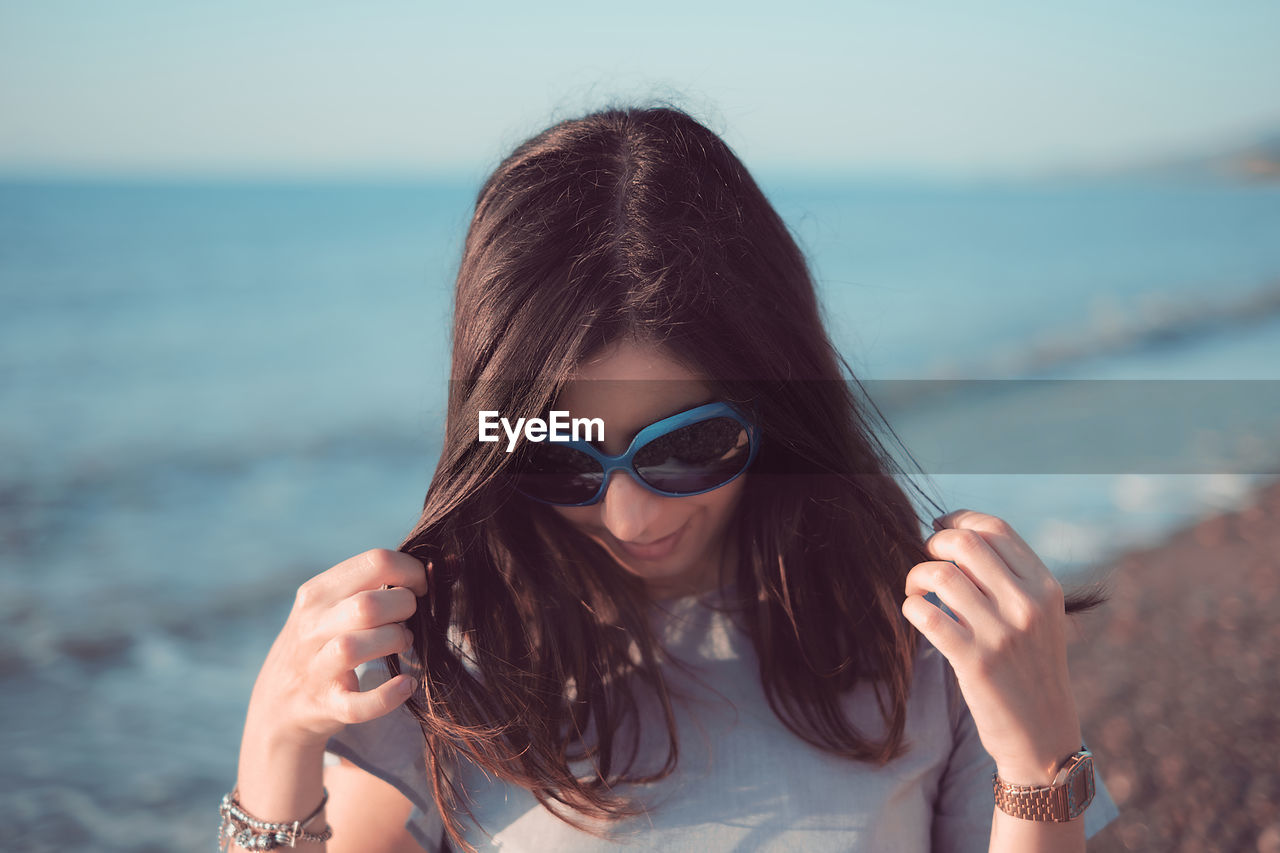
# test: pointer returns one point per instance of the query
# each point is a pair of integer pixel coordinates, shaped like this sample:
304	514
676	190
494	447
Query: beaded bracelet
253	834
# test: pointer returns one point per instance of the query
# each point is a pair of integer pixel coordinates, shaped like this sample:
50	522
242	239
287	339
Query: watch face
1080	788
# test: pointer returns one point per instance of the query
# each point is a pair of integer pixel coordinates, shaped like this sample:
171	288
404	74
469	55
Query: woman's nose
628	508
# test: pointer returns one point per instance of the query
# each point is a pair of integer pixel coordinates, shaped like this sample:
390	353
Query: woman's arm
1009	833
1007	646
360	800
307	691
281	782
366	814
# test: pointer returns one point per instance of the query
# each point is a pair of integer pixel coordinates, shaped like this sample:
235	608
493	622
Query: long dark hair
642	222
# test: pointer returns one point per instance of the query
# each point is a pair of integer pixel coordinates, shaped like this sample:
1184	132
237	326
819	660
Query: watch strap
1065	799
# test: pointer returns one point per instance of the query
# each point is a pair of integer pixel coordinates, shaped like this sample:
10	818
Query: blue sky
288	87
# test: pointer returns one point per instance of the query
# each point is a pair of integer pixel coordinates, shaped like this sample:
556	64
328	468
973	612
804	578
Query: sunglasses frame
655	430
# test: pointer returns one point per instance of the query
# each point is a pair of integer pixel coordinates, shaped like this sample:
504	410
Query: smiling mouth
654	550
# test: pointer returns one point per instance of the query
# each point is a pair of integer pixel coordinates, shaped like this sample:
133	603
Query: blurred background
228	234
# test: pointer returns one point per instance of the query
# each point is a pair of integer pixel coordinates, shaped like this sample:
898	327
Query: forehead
630	385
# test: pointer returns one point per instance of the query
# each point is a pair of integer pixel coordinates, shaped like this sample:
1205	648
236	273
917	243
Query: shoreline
1177	678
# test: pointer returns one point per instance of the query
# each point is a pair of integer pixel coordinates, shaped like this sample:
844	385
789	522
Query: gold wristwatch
1064	799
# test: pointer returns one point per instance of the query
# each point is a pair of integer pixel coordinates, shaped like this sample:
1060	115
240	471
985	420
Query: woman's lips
655	550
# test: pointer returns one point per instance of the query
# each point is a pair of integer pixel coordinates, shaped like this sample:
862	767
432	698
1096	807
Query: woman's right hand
307	690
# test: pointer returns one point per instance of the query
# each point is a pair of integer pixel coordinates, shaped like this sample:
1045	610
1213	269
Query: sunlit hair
642	223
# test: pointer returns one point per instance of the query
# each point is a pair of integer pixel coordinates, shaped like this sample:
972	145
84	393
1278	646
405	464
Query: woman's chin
672	579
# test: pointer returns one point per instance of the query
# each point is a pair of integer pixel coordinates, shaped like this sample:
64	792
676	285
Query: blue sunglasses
689	453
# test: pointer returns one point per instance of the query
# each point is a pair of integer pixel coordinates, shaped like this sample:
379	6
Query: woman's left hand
1008	648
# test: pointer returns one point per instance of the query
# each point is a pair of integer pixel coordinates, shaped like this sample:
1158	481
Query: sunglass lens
696	457
559	474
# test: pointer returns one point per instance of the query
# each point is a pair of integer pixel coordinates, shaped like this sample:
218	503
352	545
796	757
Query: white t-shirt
744	782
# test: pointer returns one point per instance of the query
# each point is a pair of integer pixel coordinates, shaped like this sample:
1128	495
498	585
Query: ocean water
211	392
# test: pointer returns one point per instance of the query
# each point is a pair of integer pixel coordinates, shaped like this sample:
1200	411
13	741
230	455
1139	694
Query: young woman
705	629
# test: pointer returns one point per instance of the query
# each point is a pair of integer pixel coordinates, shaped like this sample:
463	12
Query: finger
353	706
419	590
373	607
348	650
947	635
955	588
971	552
416	591
999	536
370	569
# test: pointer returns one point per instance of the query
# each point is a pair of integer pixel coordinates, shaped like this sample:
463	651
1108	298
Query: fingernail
408	685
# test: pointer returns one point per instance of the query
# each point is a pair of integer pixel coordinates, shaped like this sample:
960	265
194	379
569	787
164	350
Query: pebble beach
1177	679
